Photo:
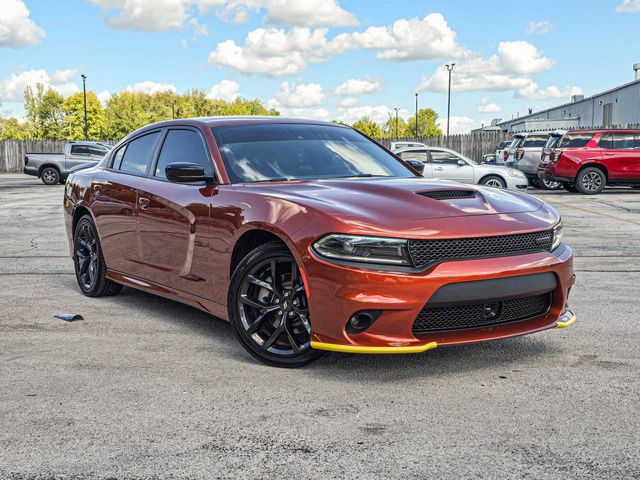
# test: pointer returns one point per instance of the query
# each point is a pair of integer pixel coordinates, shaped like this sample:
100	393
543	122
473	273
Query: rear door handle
438	168
609	153
143	202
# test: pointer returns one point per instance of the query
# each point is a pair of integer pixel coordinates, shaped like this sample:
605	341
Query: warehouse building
619	106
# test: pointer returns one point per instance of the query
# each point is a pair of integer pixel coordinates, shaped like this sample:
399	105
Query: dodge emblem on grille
490	310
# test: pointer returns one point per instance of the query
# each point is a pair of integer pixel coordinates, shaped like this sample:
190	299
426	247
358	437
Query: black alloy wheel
590	181
268	308
89	263
50	176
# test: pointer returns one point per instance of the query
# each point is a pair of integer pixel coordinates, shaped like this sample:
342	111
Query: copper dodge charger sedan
308	236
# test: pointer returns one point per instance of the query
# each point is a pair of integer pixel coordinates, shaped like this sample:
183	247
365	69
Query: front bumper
402	296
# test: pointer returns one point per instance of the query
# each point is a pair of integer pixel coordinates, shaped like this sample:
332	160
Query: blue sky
340	59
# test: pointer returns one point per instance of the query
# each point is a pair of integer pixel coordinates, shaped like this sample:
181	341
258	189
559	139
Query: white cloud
412	39
378	113
164	15
299	96
355	86
629	6
509	69
16	28
291	12
487	106
534	91
459	124
104	97
348	102
274	52
227	90
151	87
539	28
523	57
12	88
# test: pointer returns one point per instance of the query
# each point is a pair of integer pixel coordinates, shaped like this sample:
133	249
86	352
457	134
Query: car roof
427	147
604	130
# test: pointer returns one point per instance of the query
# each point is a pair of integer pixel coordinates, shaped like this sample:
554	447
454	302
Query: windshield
258	153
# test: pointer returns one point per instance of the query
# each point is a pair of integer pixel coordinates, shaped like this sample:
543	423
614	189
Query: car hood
396	198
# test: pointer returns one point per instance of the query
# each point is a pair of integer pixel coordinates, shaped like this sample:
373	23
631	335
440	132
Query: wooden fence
12	152
472	145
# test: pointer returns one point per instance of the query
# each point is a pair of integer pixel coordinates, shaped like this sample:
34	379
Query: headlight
515	173
356	248
557	235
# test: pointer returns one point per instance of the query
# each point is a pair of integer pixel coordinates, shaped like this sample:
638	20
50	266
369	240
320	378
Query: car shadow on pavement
497	355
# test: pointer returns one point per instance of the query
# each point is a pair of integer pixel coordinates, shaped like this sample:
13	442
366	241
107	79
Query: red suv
586	161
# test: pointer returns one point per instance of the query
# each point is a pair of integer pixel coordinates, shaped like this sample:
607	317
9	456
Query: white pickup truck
53	168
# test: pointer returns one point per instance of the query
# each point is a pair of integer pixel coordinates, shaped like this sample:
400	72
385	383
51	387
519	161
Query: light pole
84	91
449	69
416	115
396	109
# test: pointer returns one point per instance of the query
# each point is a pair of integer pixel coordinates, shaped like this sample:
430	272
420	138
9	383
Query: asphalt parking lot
149	388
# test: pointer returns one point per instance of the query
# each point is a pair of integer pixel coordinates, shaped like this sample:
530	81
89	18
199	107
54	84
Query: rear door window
552	141
618	141
182	146
139	153
79	150
420	155
535	141
441	157
576	140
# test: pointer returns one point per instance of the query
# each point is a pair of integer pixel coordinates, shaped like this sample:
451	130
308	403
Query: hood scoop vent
447	194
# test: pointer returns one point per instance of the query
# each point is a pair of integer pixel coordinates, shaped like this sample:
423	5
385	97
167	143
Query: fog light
362	320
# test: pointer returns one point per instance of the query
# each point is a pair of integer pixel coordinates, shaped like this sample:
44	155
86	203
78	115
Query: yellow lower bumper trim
565	320
334	347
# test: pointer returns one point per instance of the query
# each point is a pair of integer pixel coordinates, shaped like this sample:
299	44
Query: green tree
390	128
125	113
426	124
12	129
368	127
44	113
73	107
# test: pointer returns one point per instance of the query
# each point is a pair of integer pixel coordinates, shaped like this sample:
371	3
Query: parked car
308	236
398	145
509	152
501	151
588	160
53	168
489	158
528	155
450	165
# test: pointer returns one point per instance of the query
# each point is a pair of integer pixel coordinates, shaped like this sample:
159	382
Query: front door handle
437	168
609	153
143	203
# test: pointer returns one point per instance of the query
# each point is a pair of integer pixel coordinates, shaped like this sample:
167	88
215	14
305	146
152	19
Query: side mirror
183	172
417	165
462	163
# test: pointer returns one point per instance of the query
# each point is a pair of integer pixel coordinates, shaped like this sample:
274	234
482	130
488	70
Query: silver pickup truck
53	168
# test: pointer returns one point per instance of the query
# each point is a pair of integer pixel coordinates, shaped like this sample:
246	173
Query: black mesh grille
425	252
458	317
444	194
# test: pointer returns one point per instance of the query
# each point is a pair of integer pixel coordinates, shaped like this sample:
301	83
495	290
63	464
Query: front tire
590	181
268	308
493	181
89	263
50	176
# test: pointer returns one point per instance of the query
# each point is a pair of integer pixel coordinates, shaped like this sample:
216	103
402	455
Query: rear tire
590	181
50	176
551	185
569	187
89	263
493	181
268	308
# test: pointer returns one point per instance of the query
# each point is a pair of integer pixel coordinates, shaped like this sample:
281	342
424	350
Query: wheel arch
252	237
79	212
487	175
46	165
599	166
